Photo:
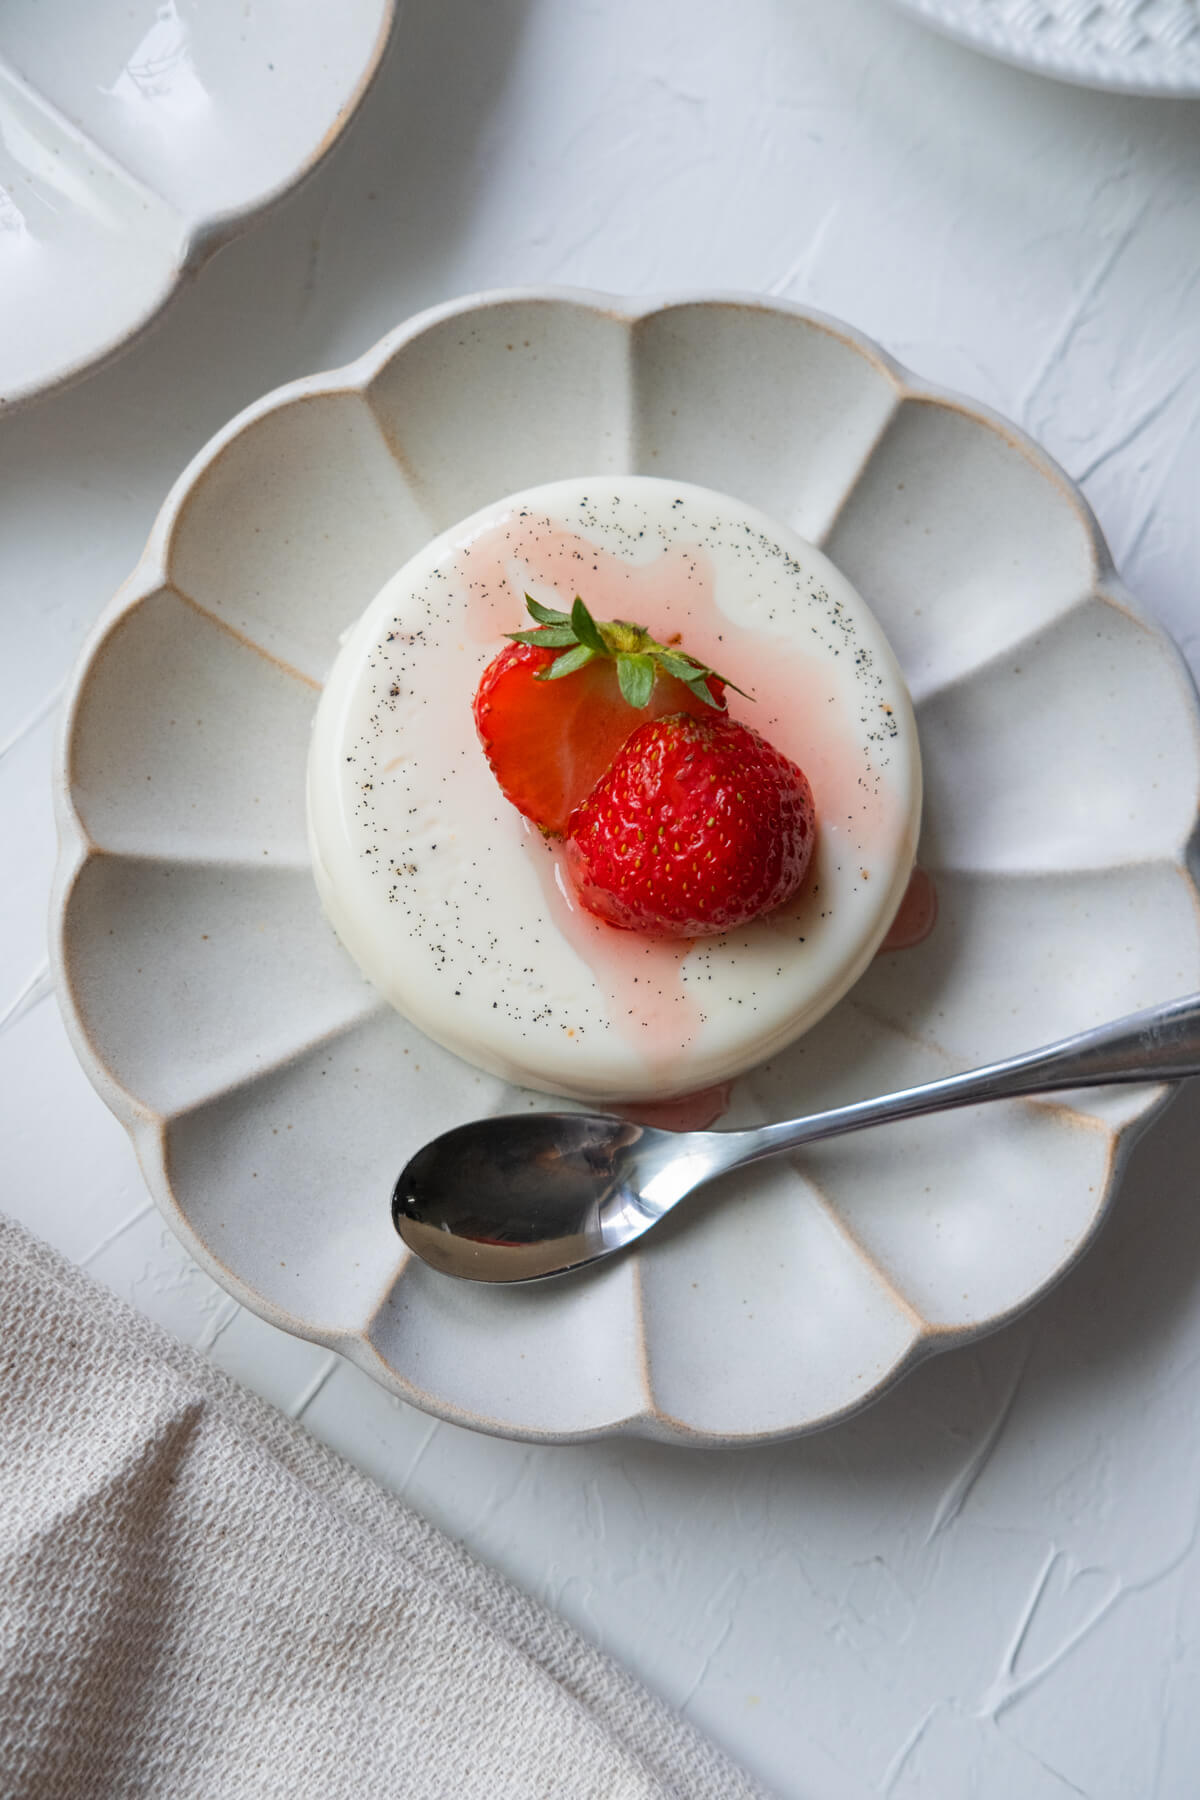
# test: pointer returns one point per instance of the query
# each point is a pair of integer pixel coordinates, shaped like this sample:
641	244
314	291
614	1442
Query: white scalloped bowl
1149	47
136	139
272	1096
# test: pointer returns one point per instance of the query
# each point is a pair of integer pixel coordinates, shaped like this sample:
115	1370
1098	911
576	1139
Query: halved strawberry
554	708
697	827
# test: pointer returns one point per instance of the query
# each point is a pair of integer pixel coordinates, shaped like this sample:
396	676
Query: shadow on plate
1106	1324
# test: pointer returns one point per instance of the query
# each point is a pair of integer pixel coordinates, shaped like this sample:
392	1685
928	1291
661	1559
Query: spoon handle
1160	1044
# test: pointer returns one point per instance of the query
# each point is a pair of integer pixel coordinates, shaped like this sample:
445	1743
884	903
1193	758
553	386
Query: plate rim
1003	47
147	1129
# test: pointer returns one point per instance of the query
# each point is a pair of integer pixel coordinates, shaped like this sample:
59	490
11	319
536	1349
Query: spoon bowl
518	1198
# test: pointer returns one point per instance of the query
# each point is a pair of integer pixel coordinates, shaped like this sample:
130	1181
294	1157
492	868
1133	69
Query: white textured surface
988	1583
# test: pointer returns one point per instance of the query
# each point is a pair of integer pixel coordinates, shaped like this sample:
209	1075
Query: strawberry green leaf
636	676
702	691
567	663
682	667
688	670
545	615
586	628
550	637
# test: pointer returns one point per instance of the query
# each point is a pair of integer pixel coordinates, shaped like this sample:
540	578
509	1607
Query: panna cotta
462	913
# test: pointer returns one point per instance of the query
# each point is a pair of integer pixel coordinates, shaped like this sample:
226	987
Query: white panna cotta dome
460	911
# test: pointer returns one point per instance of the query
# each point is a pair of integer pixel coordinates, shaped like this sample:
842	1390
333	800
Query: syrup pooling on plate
453	907
916	915
690	1112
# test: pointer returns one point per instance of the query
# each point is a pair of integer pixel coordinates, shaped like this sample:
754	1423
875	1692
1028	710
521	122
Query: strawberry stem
638	657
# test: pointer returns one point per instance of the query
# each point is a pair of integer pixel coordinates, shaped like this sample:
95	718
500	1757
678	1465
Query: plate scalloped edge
147	1127
1094	66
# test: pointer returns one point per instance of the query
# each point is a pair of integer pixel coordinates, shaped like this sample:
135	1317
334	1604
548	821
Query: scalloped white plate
272	1097
1147	47
136	137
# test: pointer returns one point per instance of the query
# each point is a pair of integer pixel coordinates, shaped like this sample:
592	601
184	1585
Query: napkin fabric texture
197	1599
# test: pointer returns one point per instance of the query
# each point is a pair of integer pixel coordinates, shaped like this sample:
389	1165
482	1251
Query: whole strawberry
698	826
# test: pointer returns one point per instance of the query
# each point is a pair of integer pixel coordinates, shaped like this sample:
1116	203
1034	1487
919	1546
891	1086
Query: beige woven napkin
197	1599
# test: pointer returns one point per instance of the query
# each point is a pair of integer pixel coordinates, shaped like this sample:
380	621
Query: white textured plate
272	1097
136	136
1132	46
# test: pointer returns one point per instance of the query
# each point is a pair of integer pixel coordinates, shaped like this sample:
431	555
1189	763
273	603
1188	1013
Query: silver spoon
537	1194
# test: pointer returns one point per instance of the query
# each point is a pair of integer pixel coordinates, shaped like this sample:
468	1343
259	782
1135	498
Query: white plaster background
988	1585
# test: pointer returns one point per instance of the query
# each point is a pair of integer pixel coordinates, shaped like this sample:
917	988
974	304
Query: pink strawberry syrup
916	916
795	705
691	1112
638	976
